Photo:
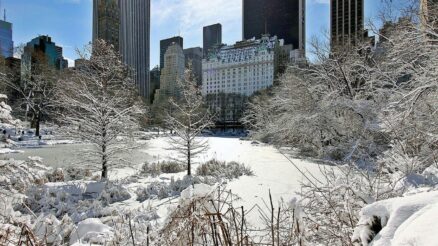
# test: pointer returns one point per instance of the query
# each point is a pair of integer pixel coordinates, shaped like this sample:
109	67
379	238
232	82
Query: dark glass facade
6	43
41	50
106	21
165	43
126	25
282	18
194	56
346	21
212	36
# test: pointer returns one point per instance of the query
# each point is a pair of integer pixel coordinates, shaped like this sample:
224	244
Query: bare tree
100	105
35	90
373	112
187	118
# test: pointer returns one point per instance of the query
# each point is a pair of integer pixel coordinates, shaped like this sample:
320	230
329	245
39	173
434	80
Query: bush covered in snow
162	190
70	174
5	112
155	169
78	199
73	173
157	190
17	176
92	231
49	230
223	170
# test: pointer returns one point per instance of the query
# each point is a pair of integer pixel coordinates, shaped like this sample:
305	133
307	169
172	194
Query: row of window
241	90
215	63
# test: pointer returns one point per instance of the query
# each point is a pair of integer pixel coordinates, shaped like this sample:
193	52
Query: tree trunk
104	156
104	164
189	157
37	124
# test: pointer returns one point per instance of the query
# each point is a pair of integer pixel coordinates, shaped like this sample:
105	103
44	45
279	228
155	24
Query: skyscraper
126	25
282	18
6	43
171	74
135	39
165	43
194	56
346	22
212	36
41	50
106	21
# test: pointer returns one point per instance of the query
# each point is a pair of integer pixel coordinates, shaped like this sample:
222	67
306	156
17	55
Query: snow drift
409	220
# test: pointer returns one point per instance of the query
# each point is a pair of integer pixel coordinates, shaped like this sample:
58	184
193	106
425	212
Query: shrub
162	190
155	169
157	190
56	176
114	192
72	174
219	169
172	167
17	176
77	199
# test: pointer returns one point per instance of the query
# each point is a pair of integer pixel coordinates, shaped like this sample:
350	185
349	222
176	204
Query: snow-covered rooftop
243	50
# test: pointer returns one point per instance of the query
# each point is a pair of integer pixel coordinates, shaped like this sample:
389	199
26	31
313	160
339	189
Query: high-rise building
346	22
171	74
165	43
41	50
135	39
106	21
193	56
212	37
6	43
126	25
282	18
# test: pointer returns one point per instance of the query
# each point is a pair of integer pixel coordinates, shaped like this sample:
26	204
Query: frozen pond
65	155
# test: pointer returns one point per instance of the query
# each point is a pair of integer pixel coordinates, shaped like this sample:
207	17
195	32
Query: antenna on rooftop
4	15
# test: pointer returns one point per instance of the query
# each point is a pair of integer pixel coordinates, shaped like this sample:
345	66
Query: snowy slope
410	220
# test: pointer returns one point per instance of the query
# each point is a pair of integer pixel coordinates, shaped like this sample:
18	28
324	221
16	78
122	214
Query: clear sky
69	22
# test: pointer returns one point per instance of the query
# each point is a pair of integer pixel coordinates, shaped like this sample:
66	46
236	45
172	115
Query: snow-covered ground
272	170
409	220
404	220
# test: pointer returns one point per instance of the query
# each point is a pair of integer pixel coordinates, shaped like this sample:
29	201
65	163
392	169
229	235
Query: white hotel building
232	73
243	68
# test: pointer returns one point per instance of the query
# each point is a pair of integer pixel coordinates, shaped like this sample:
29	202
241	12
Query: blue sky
68	22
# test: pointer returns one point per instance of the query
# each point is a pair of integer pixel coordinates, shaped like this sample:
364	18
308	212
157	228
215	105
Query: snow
5	112
75	188
91	231
272	171
8	151
406	219
197	191
50	228
409	220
